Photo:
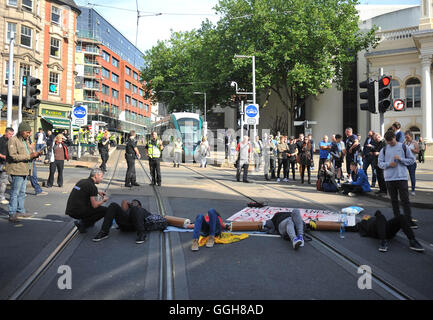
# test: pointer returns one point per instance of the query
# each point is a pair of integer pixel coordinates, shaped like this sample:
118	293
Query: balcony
397	34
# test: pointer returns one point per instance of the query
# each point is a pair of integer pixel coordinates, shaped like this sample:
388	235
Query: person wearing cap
19	165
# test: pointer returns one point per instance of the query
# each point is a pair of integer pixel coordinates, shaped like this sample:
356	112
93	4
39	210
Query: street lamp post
205	122
10	81
254	84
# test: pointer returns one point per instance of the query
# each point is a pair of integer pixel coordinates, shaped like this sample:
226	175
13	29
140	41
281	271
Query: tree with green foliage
301	47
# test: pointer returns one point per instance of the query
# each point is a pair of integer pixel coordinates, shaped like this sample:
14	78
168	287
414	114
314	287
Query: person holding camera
19	165
327	176
129	216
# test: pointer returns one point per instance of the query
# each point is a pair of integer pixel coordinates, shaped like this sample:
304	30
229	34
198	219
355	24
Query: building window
7	73
106	73
55	47
140	104
134	89
146	107
54	83
134	102
140	91
115	62
28	4
12	31
55	15
395	89
413	93
128	71
115	94
127	99
26	70
114	77
135	75
128	85
105	90
105	56
12	3
26	36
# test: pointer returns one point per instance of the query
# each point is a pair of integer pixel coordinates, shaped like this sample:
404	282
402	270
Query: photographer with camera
129	216
327	177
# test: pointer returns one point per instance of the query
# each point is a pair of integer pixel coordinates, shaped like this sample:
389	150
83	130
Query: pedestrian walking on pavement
154	149
177	153
394	159
293	152
19	165
204	152
129	216
283	150
34	176
422	148
103	146
258	151
57	154
4	178
269	150
131	152
369	158
85	203
414	148
40	139
244	151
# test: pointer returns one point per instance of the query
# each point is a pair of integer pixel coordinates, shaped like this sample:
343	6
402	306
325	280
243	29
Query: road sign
398	105
79	115
252	114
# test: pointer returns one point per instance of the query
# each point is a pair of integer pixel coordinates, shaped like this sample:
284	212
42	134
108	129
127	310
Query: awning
59	122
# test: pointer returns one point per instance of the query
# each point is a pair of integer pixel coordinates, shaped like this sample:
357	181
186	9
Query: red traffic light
386	81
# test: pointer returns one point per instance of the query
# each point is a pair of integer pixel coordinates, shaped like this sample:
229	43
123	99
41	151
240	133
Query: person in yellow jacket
154	149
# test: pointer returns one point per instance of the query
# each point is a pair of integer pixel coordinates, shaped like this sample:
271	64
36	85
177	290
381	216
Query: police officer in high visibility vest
154	149
131	152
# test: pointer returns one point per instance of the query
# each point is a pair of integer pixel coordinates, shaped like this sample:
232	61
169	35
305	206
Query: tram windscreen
190	131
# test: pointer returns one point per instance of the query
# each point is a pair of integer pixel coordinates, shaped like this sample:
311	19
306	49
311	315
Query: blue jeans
412	170
34	179
39	147
18	194
212	228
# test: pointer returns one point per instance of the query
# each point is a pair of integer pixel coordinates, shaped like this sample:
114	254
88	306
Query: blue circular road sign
251	111
80	112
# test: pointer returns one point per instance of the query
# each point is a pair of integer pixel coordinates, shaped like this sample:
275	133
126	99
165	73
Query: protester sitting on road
377	227
57	154
414	148
359	182
130	216
85	201
210	225
289	225
327	176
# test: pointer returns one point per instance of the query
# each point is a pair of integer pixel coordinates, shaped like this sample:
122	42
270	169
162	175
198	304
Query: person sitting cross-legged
359	182
130	216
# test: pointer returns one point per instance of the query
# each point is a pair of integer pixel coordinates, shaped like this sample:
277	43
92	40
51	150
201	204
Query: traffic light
385	96
368	95
32	92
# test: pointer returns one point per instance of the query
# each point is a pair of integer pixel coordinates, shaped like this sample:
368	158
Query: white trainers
4	201
413	193
285	180
278	180
351	194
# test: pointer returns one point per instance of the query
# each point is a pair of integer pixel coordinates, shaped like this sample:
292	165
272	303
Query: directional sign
398	105
79	116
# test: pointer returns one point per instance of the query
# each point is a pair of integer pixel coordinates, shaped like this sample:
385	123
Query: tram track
51	258
381	278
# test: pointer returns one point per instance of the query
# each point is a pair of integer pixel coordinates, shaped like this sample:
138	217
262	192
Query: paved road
259	267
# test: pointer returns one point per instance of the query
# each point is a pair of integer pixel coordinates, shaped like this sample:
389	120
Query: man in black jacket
369	158
9	132
379	144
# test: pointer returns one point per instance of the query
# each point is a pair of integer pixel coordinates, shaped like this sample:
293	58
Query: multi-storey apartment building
44	32
108	79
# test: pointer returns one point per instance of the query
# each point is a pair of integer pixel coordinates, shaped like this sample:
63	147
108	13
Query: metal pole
10	81
20	99
242	120
254	93
382	115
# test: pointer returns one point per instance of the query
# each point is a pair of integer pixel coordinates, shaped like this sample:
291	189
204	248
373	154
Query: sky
177	15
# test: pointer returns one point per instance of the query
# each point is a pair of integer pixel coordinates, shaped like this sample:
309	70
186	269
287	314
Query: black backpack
155	222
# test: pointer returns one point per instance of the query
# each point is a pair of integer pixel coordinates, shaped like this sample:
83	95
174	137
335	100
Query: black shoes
246	181
383	246
152	184
128	185
141	237
80	226
135	184
415	245
100	236
159	184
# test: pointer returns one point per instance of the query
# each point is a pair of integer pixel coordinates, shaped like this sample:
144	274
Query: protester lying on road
130	216
359	182
209	225
379	228
289	225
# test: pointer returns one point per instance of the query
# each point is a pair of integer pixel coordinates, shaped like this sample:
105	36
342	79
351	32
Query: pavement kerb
419	205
